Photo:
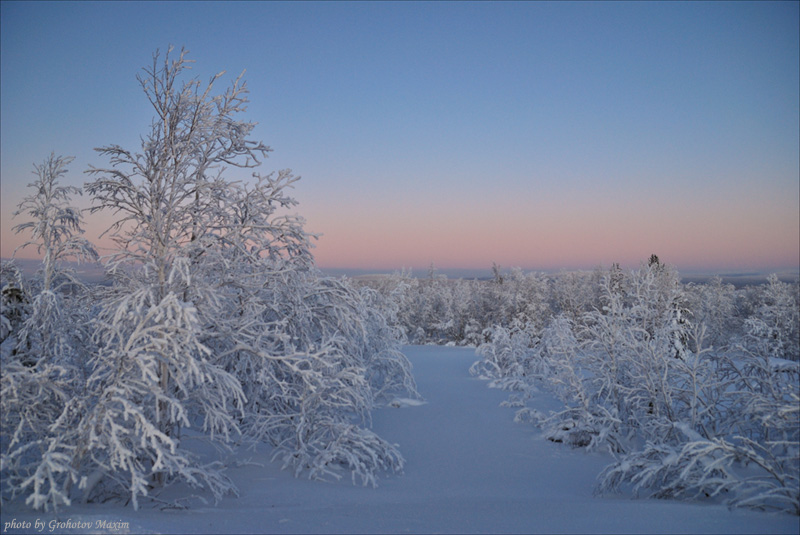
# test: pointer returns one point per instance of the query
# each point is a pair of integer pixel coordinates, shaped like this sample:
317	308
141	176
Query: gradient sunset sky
539	135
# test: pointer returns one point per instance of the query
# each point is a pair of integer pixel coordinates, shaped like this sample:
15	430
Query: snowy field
469	469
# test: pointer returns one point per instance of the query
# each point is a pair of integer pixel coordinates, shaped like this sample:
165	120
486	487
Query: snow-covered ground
469	469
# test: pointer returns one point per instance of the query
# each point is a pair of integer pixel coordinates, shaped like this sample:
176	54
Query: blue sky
532	134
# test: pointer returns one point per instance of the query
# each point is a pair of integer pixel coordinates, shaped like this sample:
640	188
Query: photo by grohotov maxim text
60	526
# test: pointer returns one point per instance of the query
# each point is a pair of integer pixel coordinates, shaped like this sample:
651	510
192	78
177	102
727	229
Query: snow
469	469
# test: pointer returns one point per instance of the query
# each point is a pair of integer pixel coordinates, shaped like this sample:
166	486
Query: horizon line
482	272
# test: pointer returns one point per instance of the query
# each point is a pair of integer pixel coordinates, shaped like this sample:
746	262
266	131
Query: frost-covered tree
218	319
528	297
713	304
217	326
55	226
173	204
576	293
623	361
43	374
55	229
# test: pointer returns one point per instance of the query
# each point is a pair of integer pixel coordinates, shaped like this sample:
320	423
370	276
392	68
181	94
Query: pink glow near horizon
582	236
550	237
530	134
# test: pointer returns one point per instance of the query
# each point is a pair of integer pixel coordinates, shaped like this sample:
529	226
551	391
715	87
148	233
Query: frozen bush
686	415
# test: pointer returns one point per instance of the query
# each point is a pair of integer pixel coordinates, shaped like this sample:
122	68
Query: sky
540	135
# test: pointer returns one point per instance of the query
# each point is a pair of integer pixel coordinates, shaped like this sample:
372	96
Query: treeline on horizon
440	310
95	273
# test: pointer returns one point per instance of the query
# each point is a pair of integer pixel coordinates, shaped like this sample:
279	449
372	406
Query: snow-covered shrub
39	410
611	371
318	357
583	422
388	370
439	310
312	353
528	298
711	422
775	324
686	414
14	301
509	355
739	438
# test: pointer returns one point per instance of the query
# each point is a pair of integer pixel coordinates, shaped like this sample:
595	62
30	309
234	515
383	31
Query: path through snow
469	468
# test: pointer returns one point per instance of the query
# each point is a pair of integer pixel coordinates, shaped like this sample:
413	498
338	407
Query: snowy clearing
469	469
